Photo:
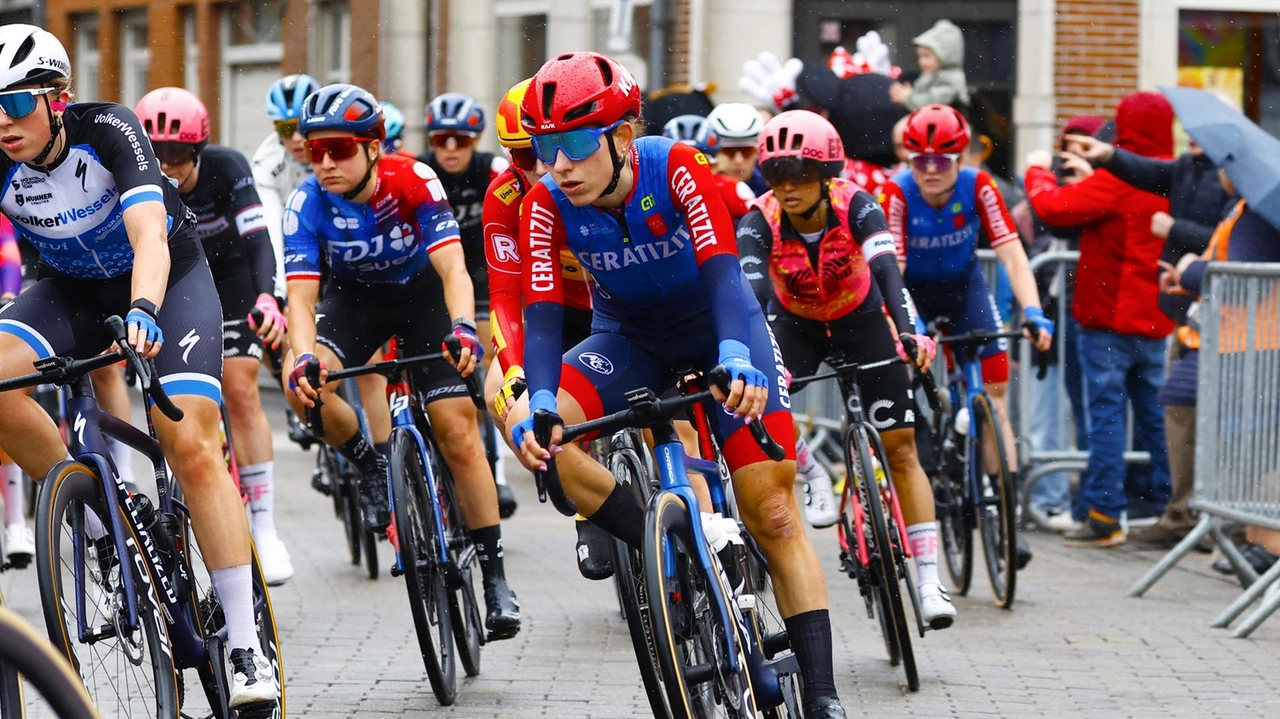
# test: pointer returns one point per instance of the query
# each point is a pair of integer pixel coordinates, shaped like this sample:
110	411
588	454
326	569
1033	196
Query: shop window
1235	55
87	60
523	39
254	22
135	57
331	44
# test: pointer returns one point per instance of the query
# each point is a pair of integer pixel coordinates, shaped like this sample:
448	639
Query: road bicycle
25	655
701	640
874	550
972	484
125	594
434	551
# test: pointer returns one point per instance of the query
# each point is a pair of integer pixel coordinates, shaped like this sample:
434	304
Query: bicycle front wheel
691	640
127	672
419	555
996	501
24	654
464	569
954	510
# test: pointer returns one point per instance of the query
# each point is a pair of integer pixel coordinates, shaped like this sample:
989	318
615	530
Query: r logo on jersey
504	248
596	362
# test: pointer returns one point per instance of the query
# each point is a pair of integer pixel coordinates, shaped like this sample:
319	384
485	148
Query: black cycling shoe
375	505
1024	552
824	708
506	502
298	432
595	555
502	619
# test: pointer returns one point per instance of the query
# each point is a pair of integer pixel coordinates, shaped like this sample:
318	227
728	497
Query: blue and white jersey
73	212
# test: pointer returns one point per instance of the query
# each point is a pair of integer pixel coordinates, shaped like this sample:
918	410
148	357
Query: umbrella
1247	153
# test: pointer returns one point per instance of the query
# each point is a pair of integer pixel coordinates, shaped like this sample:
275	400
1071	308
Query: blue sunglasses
577	145
20	103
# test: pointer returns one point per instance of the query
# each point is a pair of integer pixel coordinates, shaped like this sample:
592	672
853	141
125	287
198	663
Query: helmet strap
368	175
55	128
809	213
618	164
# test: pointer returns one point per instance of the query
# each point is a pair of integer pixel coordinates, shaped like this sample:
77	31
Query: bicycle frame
971	372
399	397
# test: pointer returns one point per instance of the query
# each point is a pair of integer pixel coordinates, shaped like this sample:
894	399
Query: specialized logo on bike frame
596	362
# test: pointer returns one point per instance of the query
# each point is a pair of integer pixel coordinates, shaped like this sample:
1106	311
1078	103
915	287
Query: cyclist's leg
373	399
113	397
802	342
978	313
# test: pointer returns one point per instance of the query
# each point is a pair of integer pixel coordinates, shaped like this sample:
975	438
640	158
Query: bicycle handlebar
144	369
474	381
645	410
852	368
979	337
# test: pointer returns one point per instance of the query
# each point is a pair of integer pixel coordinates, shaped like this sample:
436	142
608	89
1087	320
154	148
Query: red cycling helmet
936	130
579	89
802	135
172	114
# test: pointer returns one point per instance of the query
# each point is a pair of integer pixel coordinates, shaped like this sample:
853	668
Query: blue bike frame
974	387
402	417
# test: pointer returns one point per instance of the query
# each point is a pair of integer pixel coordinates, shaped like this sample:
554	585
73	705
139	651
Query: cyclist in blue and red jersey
395	270
645	218
934	210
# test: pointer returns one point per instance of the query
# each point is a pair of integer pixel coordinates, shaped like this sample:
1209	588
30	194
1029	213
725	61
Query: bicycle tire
728	695
996	506
424	578
767	625
873	594
464	609
72	485
24	653
951	499
628	573
884	564
369	550
346	493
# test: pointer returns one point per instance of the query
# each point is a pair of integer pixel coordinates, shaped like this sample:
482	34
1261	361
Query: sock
258	482
500	470
359	452
122	455
489	549
234	586
13	499
804	458
621	517
923	538
810	635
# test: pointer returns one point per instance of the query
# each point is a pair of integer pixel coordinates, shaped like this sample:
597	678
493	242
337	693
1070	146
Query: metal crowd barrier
1237	463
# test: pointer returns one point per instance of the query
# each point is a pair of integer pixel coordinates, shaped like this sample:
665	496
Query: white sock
13	496
93	525
234	586
804	458
257	481
924	549
500	469
122	455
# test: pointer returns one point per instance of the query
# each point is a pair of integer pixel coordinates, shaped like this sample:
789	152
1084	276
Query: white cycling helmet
30	54
737	124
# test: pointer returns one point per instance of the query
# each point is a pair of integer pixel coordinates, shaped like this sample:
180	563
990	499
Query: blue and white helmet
286	95
393	120
343	107
455	112
688	129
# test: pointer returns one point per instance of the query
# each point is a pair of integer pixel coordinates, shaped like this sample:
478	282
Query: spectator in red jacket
1122	349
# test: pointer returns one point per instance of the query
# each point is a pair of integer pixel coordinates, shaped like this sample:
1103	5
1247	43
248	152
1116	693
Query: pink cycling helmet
172	114
802	135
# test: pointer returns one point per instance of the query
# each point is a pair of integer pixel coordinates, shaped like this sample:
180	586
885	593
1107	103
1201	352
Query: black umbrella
1247	153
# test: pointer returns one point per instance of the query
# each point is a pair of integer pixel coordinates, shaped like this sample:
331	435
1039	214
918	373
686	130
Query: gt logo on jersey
504	248
699	158
508	192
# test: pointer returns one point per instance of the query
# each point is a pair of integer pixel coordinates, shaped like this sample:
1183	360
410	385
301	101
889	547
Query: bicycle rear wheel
689	634
24	654
127	673
997	501
884	562
424	577
628	574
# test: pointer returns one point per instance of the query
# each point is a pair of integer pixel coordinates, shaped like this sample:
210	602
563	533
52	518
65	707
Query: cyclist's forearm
1014	259
145	224
302	316
459	293
896	298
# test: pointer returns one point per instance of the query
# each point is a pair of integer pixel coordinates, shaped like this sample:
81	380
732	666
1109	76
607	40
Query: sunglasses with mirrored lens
286	128
577	145
339	148
738	153
452	140
926	161
20	103
524	158
794	170
174	153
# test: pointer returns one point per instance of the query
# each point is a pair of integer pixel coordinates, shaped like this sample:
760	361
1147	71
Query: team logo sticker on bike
874	412
596	362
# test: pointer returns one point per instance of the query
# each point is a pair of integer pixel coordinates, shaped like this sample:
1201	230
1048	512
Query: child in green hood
940	54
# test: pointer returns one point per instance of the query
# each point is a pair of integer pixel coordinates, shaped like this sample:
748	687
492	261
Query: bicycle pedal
258	710
319	485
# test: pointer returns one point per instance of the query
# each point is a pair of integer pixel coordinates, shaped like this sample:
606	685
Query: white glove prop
874	53
771	81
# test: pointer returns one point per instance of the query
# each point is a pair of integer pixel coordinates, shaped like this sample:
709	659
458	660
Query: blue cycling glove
737	359
1036	317
148	330
542	399
465	331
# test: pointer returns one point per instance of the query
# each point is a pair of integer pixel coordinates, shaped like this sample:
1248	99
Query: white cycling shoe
820	506
274	559
936	608
252	680
19	544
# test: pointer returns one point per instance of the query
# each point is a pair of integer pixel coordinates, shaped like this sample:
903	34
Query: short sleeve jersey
387	240
645	257
73	212
939	245
226	205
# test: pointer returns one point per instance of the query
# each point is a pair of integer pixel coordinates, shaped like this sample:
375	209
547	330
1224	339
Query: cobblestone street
1074	646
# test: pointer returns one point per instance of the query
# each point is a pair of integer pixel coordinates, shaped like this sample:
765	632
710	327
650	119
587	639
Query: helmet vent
796	141
549	96
933	131
606	72
24	50
581	111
